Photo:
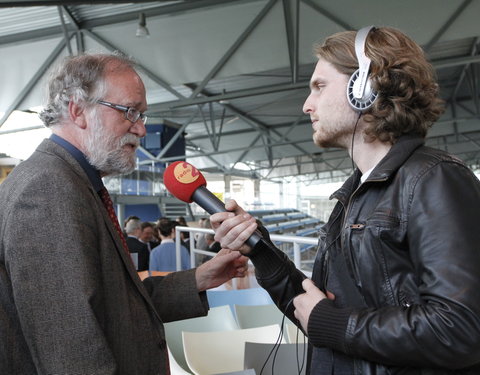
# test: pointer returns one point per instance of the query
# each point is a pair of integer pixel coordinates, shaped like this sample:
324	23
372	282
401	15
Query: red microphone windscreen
182	179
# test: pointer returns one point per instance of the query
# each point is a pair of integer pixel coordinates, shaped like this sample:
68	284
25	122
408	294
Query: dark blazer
141	249
71	301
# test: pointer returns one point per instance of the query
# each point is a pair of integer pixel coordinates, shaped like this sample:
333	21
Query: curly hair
79	79
408	100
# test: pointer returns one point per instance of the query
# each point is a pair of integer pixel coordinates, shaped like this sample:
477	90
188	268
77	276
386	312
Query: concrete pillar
121	213
227	179
299	196
256	190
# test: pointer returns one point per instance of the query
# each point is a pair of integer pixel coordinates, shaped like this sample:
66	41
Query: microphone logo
185	173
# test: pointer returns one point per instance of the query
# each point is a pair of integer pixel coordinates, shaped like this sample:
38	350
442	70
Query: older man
74	304
138	250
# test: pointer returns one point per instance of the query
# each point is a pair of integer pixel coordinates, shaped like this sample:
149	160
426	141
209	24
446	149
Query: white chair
219	352
251	316
218	319
251	296
295	334
288	359
175	368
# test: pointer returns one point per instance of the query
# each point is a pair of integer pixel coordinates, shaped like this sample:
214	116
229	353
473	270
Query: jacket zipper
325	267
356	226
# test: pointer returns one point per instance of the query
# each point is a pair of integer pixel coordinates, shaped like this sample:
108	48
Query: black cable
276	346
353	138
300	368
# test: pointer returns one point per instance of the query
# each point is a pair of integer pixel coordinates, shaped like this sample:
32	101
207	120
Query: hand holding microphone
186	183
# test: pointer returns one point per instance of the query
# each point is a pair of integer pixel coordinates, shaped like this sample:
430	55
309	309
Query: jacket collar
395	158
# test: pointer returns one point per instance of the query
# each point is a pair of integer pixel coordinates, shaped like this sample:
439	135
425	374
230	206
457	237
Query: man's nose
307	106
139	128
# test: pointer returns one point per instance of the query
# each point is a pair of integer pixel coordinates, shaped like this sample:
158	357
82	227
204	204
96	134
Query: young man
74	304
163	257
394	288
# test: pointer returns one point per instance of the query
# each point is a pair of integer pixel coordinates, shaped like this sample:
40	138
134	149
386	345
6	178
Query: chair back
287	358
175	368
251	316
223	351
294	334
219	318
251	296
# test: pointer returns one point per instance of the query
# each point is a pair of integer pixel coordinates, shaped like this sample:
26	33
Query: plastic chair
175	368
218	319
249	371
288	359
219	352
291	332
251	296
251	316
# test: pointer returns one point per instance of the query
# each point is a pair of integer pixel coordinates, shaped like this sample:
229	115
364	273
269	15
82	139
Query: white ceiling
234	74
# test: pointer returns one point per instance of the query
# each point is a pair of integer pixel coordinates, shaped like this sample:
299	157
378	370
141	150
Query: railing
278	239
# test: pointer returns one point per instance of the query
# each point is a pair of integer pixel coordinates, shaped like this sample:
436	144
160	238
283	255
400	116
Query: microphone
186	183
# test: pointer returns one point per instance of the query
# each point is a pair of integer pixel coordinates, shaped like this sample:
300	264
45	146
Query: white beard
106	152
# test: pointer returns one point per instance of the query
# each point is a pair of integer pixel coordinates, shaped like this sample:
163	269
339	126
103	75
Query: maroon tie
107	202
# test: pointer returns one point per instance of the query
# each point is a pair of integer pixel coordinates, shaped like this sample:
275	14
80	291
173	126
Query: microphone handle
210	203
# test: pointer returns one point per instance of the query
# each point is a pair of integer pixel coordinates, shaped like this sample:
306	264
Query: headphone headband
363	61
359	91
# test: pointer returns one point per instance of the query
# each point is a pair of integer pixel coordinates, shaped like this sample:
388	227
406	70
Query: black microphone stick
210	203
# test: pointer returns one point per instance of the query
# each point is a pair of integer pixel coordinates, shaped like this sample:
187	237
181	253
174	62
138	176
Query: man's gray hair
79	79
132	226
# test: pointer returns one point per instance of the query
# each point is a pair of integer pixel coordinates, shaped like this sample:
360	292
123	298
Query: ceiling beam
33	3
150	75
292	30
269	89
33	81
443	29
160	10
66	35
330	16
234	47
262	90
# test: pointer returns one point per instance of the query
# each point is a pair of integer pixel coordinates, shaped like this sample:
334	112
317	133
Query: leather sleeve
277	274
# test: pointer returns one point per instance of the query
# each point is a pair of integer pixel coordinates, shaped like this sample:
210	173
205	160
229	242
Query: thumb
330	295
231	204
228	254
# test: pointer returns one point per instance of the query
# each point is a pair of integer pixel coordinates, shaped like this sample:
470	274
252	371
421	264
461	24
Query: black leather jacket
409	238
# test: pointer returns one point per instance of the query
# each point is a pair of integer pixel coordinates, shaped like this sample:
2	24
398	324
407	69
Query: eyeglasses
131	114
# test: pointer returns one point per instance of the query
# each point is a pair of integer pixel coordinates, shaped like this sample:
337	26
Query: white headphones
360	93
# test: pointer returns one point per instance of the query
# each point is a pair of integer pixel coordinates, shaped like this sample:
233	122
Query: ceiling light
142	31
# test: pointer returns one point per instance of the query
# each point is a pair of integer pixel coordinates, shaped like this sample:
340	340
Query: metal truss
198	103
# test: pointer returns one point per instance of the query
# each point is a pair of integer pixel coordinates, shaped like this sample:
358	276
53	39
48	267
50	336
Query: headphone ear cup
369	95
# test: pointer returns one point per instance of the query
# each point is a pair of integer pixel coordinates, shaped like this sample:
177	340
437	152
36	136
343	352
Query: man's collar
92	173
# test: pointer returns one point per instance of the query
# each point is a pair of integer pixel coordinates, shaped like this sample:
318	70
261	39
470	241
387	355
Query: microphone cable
353	138
276	346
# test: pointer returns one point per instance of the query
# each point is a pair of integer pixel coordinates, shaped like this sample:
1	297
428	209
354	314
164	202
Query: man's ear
77	114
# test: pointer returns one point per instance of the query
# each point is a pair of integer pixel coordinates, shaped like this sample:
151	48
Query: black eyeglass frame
131	113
